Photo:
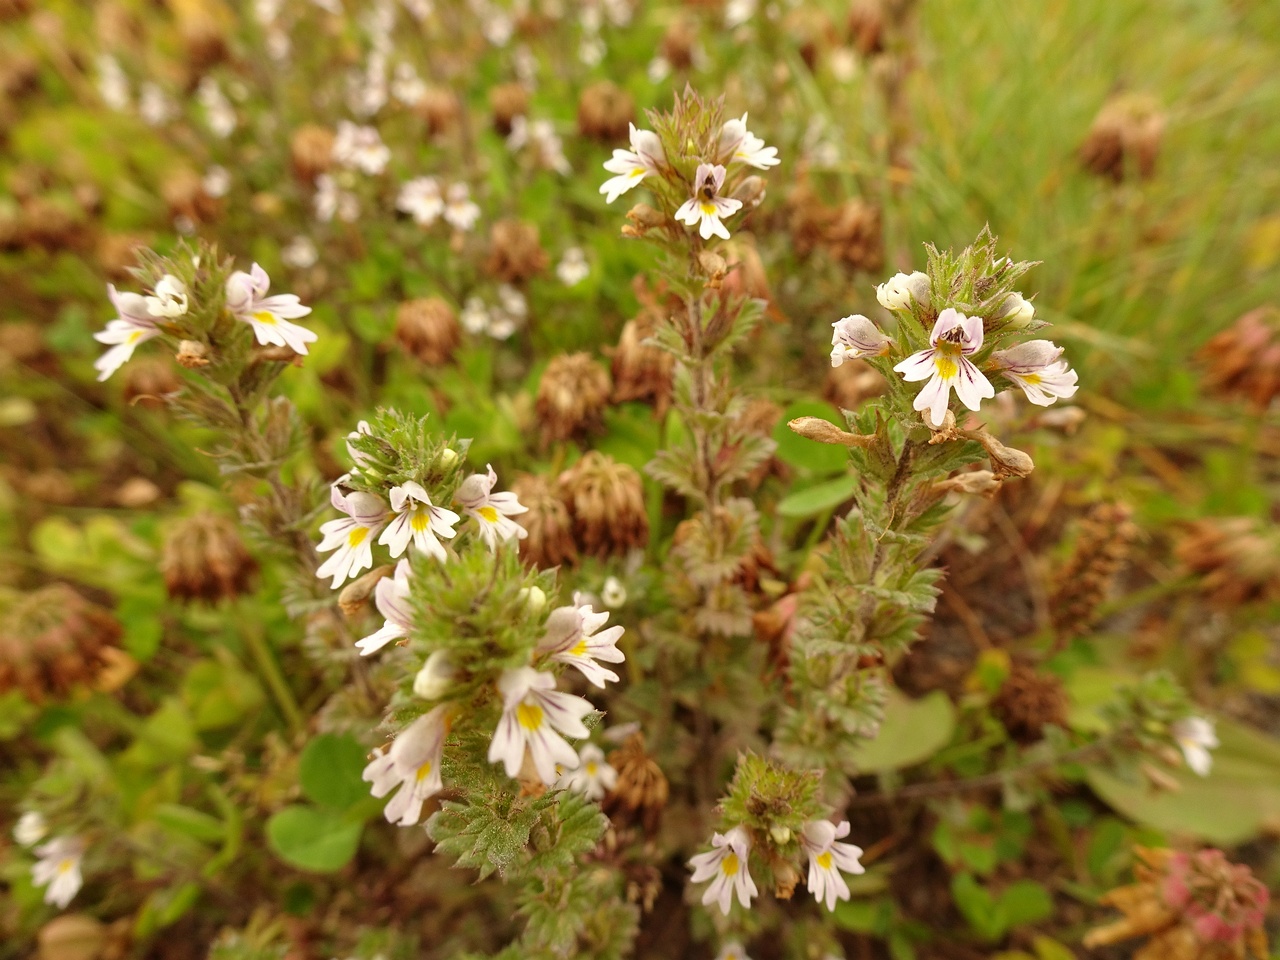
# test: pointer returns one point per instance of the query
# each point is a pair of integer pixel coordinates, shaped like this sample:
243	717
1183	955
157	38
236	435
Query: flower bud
435	677
1016	311
641	219
534	597
750	192
713	266
613	594
355	595
824	431
901	289
781	834
192	354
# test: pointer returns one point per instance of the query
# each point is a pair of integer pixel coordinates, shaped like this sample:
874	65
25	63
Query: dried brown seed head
428	329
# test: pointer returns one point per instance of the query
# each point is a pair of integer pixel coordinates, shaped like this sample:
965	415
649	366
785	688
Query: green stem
271	674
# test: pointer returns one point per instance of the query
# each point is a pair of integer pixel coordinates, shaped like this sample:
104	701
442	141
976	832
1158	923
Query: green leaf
814	500
219	693
313	839
329	771
164	907
482	837
1023	902
821	459
192	822
912	732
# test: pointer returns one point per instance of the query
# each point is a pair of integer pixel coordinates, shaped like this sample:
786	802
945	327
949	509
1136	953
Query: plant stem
271	674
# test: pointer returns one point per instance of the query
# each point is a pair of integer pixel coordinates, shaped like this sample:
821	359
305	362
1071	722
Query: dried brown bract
428	329
550	541
507	101
439	110
605	112
571	397
54	639
1028	701
642	371
1101	552
1125	138
642	790
311	151
606	501
205	559
1237	559
514	252
1244	360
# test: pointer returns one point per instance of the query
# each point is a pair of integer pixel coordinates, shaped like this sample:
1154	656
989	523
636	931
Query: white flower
1017	310
351	536
421	9
856	336
739	145
154	106
573	268
333	201
475	316
391	596
536	715
268	316
360	148
593	777
407	86
216	181
727	862
132	326
706	206
435	677
827	858
170	298
412	764
632	166
613	594
738	12
30	829
946	364
732	950
493	511
571	639
422	200
367	89
1035	367
898	291
417	520
542	136
659	69
217	108
1195	737
113	86
300	254
498	28
359	458
459	211
59	869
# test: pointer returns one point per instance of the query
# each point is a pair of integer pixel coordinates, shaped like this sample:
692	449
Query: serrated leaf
479	837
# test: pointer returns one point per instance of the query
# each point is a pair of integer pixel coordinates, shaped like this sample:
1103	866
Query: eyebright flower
571	639
333	201
613	594
593	777
732	950
421	199
740	145
535	715
59	869
459	212
727	863
132	326
493	511
391	596
1195	737
170	298
269	316
706	206
856	336
413	764
632	166
898	291
1035	367
827	858
30	829
361	148
435	677
573	267
351	536
946	364
417	520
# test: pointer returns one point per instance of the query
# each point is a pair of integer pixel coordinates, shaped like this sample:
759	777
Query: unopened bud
643	218
448	457
713	266
750	192
785	878
1016	311
192	354
824	431
781	834
982	483
535	597
356	594
435	677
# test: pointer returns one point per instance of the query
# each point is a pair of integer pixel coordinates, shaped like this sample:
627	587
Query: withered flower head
311	151
439	110
204	36
428	329
678	43
642	371
1193	906
642	789
508	101
205	559
1244	360
571	396
1029	701
54	639
1125	137
1101	552
606	501
550	542
149	379
854	235
866	26
184	192
1238	559
514	252
605	112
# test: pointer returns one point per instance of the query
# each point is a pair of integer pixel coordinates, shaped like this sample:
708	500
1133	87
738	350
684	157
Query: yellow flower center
262	316
357	536
65	866
592	767
135	336
489	514
529	716
729	865
708	209
947	368
1031	378
419	520
824	861
579	648
636	173
424	771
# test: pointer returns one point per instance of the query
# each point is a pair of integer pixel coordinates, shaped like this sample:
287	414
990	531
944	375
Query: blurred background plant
184	717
